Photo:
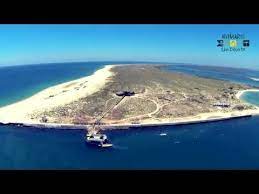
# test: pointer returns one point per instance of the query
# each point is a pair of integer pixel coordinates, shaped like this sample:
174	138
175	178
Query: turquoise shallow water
251	97
232	144
20	82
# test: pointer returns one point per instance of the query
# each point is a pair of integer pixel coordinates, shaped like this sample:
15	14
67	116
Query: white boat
163	134
100	140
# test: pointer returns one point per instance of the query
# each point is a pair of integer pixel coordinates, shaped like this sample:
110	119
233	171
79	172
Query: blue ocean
232	144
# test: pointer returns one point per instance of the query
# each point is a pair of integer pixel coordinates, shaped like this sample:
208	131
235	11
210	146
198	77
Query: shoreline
240	93
55	96
200	118
125	125
20	113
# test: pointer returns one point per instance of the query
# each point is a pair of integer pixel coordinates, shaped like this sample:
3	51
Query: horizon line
129	61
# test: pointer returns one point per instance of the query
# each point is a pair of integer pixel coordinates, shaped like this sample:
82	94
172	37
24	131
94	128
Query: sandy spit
55	96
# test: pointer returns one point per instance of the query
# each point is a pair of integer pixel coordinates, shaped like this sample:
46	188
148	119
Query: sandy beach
204	117
201	118
62	94
240	93
55	96
20	118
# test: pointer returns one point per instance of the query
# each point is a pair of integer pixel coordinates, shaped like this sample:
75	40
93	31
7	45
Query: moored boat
99	140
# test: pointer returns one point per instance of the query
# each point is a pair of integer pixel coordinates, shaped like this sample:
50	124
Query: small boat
163	134
99	140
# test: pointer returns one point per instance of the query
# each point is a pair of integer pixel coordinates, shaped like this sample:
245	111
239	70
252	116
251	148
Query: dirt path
147	114
103	115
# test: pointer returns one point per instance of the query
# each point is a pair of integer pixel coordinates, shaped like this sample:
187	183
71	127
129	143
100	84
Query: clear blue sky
26	44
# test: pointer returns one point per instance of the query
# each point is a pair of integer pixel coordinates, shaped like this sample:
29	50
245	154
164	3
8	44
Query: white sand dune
55	96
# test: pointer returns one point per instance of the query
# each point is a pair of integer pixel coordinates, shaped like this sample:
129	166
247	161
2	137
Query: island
128	95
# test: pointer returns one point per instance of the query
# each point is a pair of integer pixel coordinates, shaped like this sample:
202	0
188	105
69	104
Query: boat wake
117	147
254	78
163	134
